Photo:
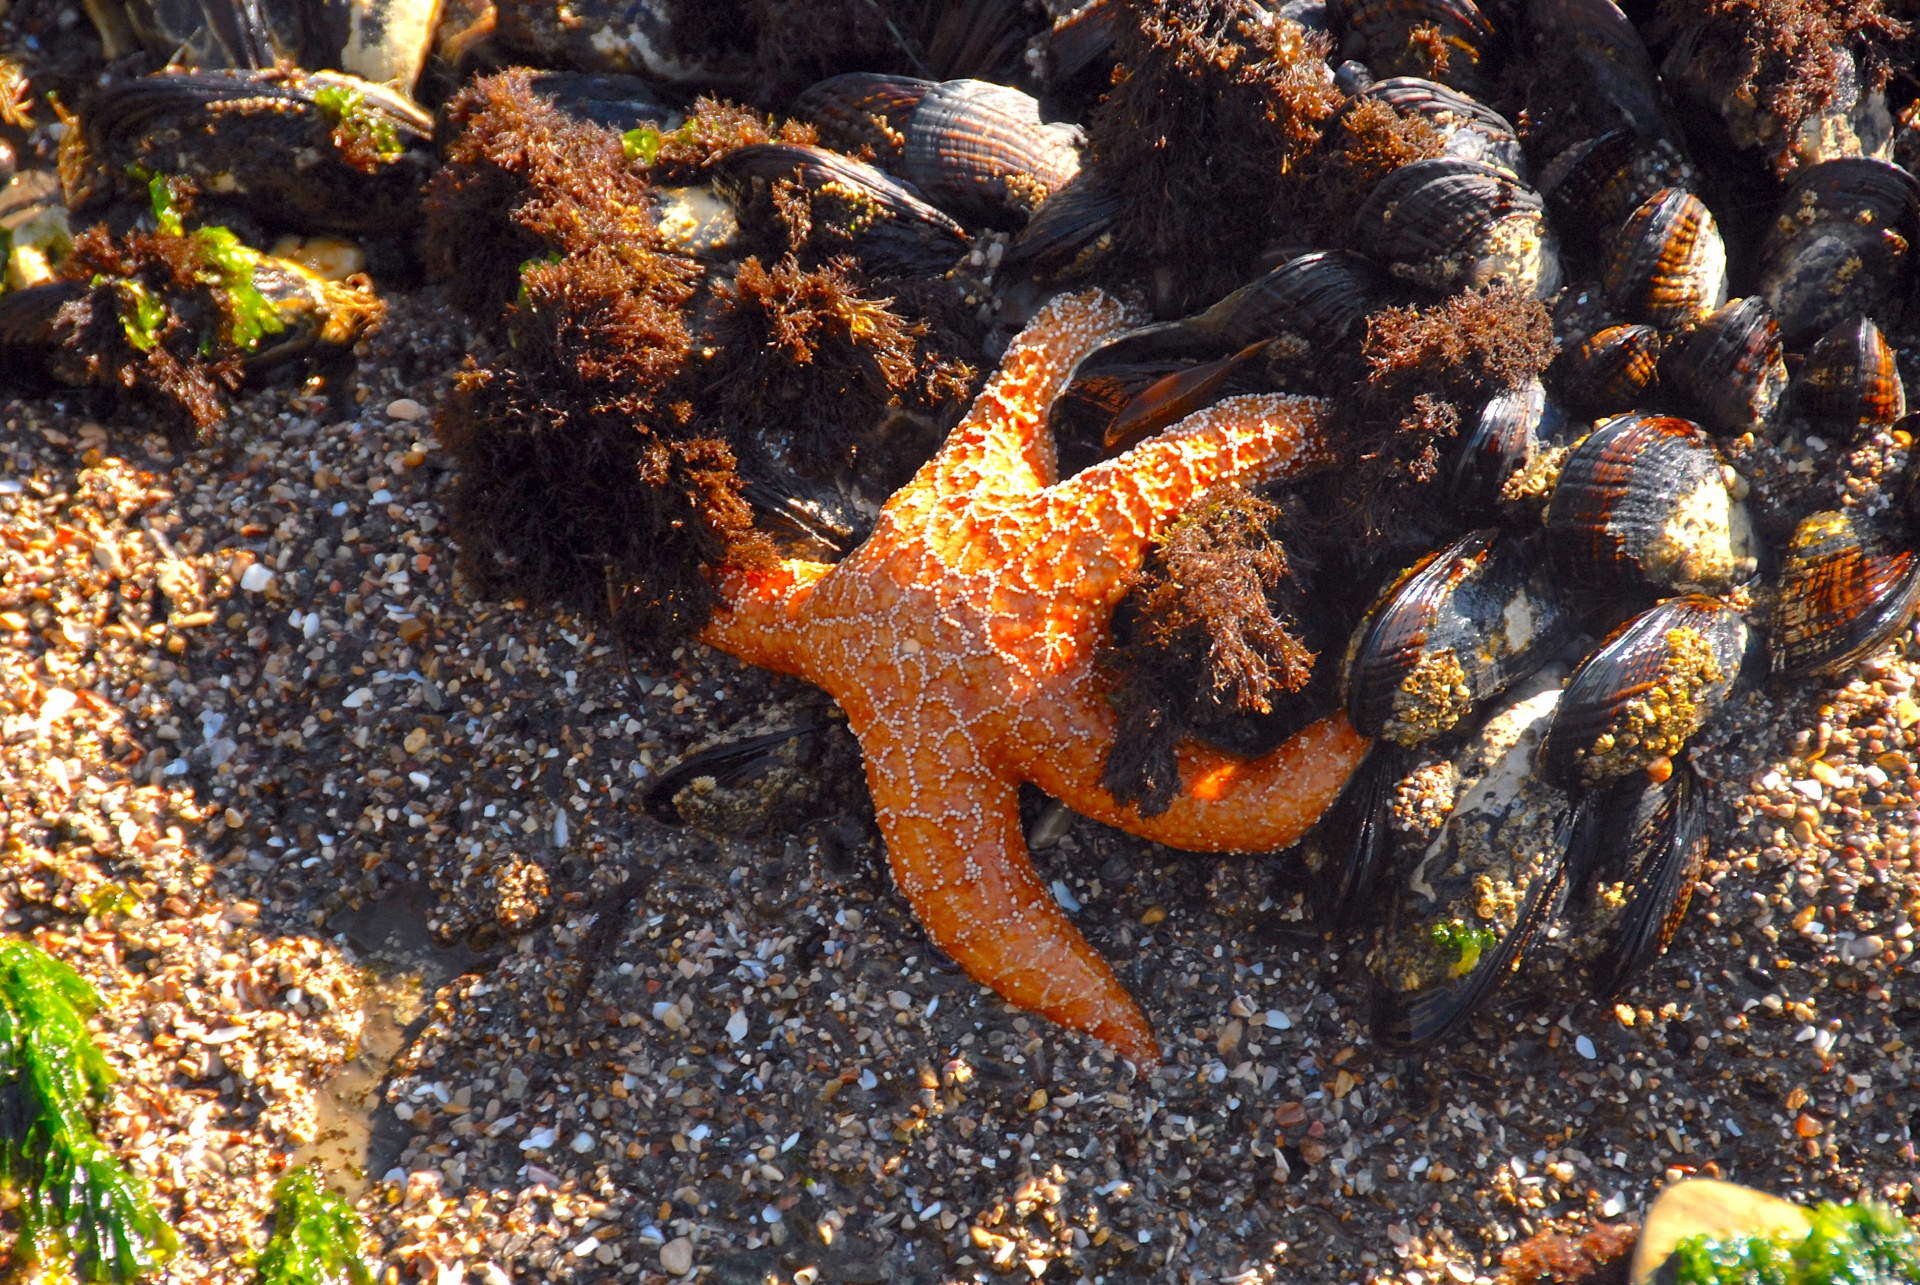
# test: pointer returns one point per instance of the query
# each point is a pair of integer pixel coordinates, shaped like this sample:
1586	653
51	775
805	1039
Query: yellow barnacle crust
1657	722
1432	699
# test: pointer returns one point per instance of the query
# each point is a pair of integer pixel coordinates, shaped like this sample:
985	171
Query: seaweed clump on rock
1792	59
523	181
1213	107
1424	365
808	350
581	483
1210	627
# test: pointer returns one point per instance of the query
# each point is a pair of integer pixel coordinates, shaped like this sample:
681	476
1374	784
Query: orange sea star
960	641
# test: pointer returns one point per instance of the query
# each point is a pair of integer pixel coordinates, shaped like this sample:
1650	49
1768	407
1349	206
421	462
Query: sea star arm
1003	444
1117	507
952	829
759	616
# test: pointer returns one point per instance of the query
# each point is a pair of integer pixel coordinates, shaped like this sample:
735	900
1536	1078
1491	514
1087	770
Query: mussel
1512	429
1609	371
1845	591
1597	38
1454	632
1472	130
1643	502
1635	702
758	785
977	149
1850	383
855	207
1839	246
382	41
313	151
1484	889
1069	234
1593	185
1729	370
1668	265
1632	857
1450	224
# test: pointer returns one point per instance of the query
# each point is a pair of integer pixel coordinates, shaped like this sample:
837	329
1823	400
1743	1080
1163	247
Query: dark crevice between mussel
771	783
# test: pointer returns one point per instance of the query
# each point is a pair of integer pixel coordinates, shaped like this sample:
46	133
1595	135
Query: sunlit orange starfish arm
759	616
965	869
1003	444
1117	507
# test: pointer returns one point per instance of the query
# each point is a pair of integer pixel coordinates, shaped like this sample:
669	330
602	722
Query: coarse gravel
360	864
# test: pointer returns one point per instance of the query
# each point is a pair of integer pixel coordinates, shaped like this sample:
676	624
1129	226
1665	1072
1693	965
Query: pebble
676	1256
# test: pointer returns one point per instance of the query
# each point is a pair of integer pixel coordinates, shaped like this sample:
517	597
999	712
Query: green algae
1856	1244
316	1236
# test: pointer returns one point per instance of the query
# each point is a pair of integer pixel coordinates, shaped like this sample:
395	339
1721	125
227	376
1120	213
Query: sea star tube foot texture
960	640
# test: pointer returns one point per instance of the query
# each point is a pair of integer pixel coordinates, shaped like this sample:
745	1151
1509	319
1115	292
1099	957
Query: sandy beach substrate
359	865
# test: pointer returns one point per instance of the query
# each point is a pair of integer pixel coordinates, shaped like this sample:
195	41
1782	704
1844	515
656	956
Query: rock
1716	1208
676	1256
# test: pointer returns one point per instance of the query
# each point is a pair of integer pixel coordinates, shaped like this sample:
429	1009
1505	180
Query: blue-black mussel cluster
1606	301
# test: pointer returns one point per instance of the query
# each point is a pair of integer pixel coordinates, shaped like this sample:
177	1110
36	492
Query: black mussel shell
981	150
1668	265
1634	852
1844	593
1850	383
1592	186
1839	246
1643	502
1474	131
1470	621
616	101
1069	235
759	784
1729	370
29	348
968	146
807	519
1350	848
1645	692
316	316
1510	432
885	222
1385	30
1610	371
1449	224
1598	36
1479	896
1176	395
1323	298
269	141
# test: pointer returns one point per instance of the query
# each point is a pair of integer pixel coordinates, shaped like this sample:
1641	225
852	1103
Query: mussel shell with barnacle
1640	535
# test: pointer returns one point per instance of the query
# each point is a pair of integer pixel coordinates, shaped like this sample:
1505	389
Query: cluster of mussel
1704	484
1707	486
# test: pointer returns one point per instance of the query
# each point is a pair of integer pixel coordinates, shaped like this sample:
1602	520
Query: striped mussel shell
1450	224
1643	502
1640	697
1481	893
1592	186
1610	371
1070	234
1850	382
1729	369
262	140
1322	297
857	207
1840	245
1668	265
1632	858
1384	29
1599	37
1460	628
977	149
1473	131
1845	591
1510	432
864	109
